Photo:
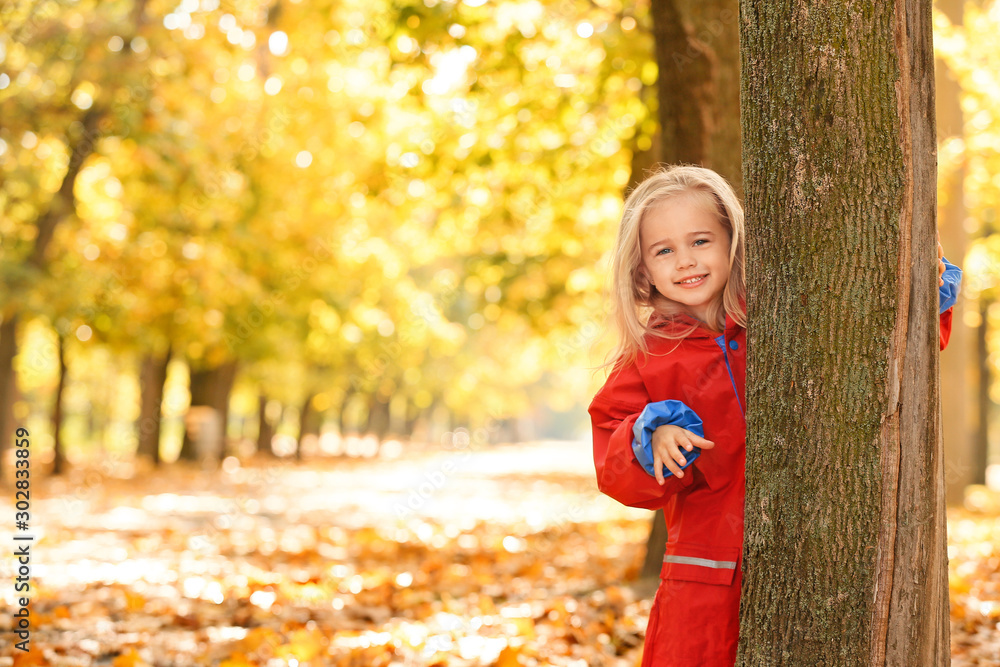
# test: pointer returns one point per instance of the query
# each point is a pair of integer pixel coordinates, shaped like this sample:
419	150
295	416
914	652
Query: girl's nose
684	260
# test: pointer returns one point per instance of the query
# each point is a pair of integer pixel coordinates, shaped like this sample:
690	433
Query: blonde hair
634	302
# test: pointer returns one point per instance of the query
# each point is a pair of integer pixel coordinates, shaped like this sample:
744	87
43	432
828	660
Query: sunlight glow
272	86
278	43
450	69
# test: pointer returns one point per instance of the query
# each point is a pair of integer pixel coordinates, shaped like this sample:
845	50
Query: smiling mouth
692	281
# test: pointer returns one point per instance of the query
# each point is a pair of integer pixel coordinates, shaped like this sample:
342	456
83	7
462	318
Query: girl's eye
701	241
663	250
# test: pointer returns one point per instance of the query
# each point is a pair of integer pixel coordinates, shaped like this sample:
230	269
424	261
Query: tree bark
961	467
697	55
845	559
715	27
152	377
58	446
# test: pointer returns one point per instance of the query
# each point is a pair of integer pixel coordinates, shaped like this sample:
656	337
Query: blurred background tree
375	217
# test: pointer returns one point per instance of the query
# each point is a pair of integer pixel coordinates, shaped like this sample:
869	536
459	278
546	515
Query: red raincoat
694	621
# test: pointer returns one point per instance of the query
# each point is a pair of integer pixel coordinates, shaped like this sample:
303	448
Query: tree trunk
210	388
223	390
345	404
152	377
58	446
8	386
265	432
697	55
413	414
378	417
845	559
715	28
304	418
981	439
956	408
200	390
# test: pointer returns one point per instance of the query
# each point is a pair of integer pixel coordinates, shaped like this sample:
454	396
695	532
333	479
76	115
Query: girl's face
685	253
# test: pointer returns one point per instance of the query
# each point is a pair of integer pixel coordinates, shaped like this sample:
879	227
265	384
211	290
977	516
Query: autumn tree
359	204
845	548
81	116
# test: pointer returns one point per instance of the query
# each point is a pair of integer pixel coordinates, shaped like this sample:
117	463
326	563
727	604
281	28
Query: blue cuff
654	415
948	292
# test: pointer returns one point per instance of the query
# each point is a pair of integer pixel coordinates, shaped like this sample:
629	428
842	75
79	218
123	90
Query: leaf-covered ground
507	556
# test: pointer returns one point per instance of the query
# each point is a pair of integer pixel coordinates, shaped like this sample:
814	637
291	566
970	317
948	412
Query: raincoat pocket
702	563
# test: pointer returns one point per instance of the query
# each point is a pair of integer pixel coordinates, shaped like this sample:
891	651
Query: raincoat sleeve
613	413
654	415
948	295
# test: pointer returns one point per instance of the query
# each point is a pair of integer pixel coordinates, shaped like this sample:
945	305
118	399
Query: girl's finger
681	460
674	468
703	443
657	468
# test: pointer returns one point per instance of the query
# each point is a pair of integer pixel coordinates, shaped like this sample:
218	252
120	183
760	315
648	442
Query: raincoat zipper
721	340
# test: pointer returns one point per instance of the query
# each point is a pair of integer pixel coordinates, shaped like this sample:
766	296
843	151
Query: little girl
679	257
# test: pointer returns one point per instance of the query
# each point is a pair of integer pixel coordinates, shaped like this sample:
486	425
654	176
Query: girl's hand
667	443
940	261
